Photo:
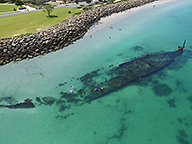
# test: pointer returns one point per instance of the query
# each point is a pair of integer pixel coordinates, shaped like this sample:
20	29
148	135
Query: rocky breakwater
60	36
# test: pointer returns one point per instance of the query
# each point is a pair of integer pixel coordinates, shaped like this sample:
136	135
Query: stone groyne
60	36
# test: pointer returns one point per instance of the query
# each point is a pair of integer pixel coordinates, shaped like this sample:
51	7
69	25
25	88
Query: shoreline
107	21
66	33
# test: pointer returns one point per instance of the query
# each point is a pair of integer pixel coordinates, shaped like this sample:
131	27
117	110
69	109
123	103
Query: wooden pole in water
184	43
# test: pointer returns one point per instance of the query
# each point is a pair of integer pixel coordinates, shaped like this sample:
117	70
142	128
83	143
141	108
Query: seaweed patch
181	140
183	133
180	120
49	100
172	103
162	90
137	48
183	137
190	99
183	121
180	86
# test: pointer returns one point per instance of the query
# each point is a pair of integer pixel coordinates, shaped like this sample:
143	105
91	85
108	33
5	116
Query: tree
88	1
19	3
65	1
48	8
12	1
76	1
2	1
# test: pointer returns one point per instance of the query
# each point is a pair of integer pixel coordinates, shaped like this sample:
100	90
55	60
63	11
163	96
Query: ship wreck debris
26	104
97	84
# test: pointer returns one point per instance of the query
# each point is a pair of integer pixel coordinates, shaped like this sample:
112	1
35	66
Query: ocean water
154	110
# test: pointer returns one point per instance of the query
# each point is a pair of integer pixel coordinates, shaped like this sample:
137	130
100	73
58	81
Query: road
60	6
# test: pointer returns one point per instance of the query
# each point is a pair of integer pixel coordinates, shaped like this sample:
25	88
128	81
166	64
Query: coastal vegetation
48	9
16	25
19	3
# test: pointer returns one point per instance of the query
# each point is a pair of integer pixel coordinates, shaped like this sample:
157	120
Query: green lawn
5	7
32	22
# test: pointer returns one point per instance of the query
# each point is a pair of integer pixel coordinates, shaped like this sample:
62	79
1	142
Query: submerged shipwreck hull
26	104
118	77
97	84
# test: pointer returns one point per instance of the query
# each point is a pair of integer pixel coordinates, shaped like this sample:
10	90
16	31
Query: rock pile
60	36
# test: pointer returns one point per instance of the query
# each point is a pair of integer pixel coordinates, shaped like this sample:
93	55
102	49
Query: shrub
2	1
48	8
19	3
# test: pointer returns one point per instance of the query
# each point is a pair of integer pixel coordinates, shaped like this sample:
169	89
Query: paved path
22	12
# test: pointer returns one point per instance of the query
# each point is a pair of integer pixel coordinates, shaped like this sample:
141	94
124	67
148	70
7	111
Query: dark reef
162	90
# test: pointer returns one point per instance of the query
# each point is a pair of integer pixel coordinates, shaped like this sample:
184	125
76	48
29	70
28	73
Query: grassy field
5	8
32	22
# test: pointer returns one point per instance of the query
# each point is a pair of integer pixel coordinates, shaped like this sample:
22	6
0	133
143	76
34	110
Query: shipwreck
97	84
119	76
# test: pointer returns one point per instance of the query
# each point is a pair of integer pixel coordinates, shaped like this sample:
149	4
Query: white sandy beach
107	21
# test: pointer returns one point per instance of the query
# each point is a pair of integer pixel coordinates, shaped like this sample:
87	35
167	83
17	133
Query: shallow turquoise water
134	114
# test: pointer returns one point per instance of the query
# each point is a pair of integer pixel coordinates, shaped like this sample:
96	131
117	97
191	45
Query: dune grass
33	22
6	8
